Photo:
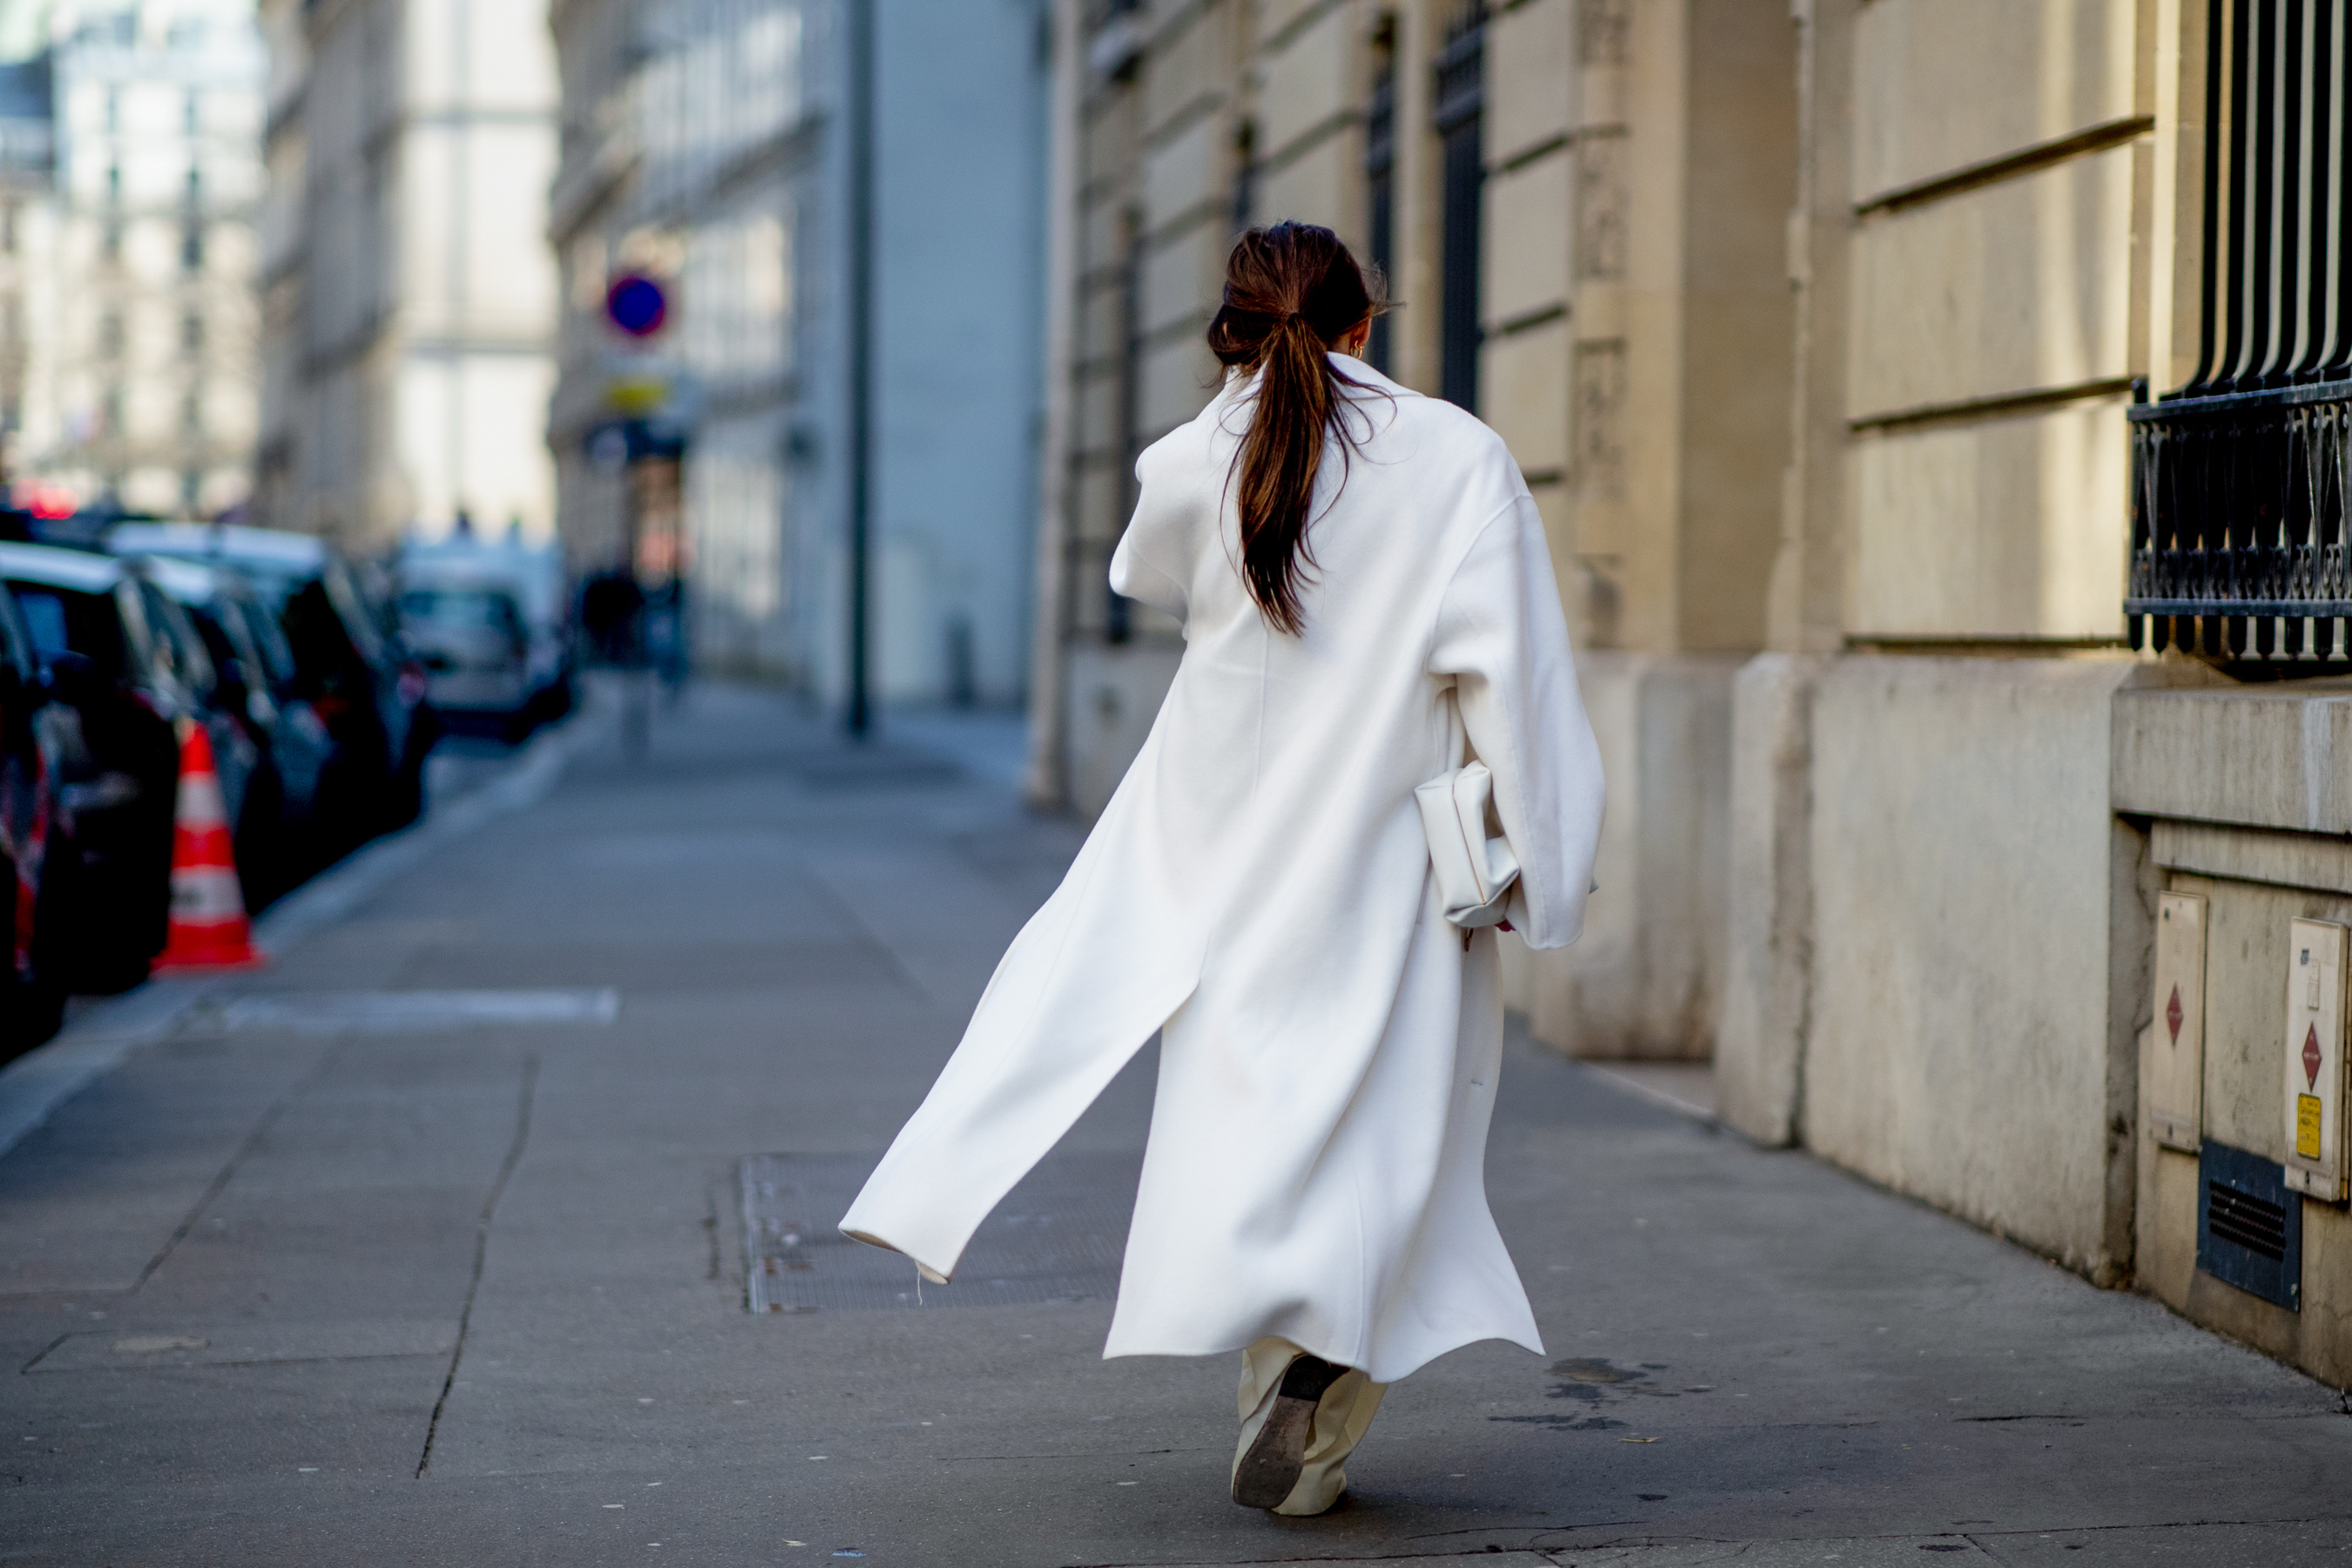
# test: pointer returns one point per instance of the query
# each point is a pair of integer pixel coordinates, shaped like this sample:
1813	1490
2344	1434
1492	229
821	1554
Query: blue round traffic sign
635	303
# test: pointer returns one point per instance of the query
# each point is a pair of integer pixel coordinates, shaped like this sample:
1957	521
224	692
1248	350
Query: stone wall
1969	1033
1645	982
1937	931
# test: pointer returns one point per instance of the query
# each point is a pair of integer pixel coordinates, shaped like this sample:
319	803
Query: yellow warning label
2306	1126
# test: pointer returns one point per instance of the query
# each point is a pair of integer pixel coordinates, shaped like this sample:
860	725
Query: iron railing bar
2253	193
2238	134
2262	205
2285	169
2210	235
2339	215
2225	402
2310	168
2325	187
2291	178
2292	609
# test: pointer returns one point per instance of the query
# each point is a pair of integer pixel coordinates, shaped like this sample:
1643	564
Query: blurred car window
180	652
44	620
374	588
21	652
363	622
320	639
269	637
462	609
275	585
62	620
220	644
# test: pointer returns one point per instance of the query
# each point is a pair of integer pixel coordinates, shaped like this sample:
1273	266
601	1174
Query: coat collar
1369	380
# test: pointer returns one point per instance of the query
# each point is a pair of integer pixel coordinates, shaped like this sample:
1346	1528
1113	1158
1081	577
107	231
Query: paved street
429	1245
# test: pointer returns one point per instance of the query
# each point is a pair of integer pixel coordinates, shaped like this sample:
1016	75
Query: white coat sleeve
1138	577
1134	573
1501	636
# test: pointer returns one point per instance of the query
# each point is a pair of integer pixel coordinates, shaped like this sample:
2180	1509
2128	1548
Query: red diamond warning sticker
2311	1056
2172	1015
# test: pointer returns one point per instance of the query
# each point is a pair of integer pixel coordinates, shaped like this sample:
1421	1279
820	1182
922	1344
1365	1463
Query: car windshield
460	610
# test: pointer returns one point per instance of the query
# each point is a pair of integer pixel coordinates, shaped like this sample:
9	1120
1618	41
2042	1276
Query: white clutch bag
1476	872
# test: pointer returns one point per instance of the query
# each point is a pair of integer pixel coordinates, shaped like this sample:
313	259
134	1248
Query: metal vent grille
2249	1226
2244	1221
1057	1237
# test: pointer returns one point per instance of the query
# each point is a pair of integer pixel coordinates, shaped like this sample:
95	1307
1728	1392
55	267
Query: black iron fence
2238	540
2238	480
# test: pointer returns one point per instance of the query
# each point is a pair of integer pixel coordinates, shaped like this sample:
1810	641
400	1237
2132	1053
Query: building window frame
1380	184
1459	120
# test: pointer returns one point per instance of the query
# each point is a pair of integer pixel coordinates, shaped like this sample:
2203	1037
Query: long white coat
1258	888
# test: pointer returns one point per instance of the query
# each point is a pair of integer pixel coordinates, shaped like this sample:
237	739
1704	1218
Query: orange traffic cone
209	930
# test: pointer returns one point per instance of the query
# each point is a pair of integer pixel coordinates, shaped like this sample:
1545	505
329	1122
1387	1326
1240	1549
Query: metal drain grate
2249	1226
1057	1237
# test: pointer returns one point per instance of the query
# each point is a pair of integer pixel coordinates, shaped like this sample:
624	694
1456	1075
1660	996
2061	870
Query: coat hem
1531	1342
871	1239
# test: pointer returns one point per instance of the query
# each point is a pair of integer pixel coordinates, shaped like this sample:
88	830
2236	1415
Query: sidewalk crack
219	1183
482	1249
45	1350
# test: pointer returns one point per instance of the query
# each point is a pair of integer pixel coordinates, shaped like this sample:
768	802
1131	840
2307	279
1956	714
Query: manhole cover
1057	1237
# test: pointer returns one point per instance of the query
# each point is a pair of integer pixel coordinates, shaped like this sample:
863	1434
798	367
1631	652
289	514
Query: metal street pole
861	360
1048	785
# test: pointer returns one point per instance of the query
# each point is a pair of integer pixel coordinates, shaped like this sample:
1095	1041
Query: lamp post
861	361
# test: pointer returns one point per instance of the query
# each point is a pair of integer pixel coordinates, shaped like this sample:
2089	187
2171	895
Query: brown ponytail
1291	291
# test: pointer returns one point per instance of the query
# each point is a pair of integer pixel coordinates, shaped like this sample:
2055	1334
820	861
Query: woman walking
1362	582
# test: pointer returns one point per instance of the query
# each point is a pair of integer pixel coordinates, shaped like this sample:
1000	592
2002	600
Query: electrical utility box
2177	1064
2314	1060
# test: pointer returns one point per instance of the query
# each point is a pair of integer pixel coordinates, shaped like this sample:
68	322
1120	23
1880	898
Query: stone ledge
2272	756
2268	855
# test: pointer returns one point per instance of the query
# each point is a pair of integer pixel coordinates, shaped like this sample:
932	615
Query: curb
1662	1098
37	1083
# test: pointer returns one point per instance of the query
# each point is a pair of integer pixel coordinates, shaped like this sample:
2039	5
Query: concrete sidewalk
415	1249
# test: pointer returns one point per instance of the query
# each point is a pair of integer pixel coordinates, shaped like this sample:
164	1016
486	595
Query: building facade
408	300
707	149
129	378
1581	212
2030	804
28	220
1939	409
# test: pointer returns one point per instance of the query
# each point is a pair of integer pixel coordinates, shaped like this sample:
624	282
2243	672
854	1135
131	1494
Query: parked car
254	694
110	759
489	623
348	663
31	1004
470	637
